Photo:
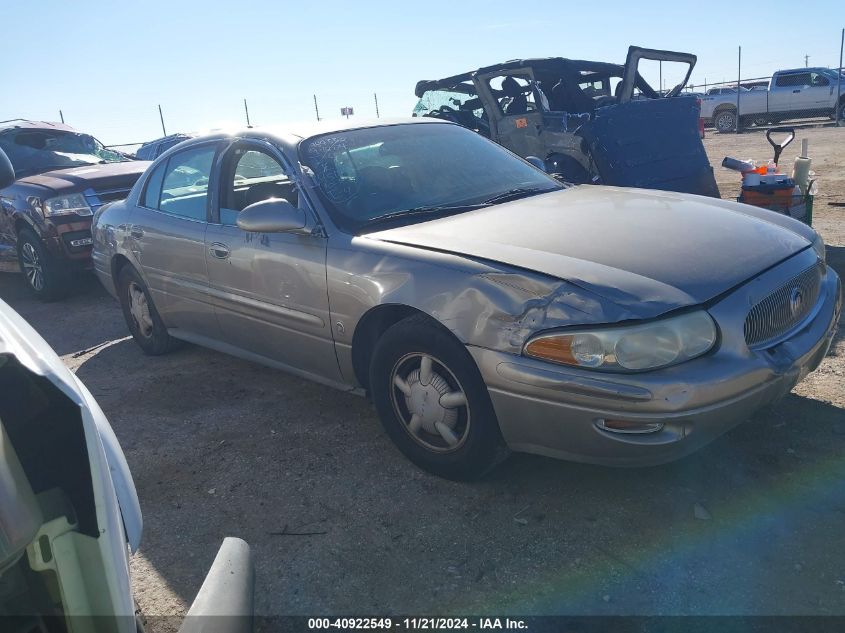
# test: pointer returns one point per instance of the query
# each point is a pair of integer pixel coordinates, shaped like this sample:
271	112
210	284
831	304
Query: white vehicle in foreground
69	512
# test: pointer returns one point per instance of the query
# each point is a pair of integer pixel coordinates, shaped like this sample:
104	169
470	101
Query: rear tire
725	121
140	313
43	275
433	402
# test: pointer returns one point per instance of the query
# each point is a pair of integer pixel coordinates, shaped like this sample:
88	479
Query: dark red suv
63	177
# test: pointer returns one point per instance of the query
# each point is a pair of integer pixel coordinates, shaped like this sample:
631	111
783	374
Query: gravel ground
752	524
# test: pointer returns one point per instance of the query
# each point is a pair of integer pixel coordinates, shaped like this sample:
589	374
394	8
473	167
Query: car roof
541	63
35	125
291	134
804	70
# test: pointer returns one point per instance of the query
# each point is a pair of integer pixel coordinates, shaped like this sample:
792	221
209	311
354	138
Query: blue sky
107	65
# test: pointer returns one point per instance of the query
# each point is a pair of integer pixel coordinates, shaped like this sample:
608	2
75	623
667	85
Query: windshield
432	169
35	151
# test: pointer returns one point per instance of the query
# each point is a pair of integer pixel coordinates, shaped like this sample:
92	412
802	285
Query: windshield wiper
517	193
423	210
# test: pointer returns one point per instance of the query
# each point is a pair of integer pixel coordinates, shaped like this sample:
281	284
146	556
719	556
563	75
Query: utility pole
738	86
806	61
246	110
161	116
375	96
660	62
839	116
316	109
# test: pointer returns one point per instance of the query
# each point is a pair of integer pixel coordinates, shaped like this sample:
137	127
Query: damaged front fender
484	304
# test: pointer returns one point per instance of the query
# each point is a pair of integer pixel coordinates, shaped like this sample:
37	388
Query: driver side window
252	175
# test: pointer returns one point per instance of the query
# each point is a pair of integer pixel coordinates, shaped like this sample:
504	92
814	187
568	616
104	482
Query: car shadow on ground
305	474
86	317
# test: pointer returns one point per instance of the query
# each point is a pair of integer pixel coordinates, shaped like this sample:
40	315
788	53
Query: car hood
100	176
649	251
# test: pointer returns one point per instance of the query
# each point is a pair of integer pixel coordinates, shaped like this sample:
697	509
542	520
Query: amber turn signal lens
557	349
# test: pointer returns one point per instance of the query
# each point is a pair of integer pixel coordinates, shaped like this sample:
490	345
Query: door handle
136	232
796	91
218	250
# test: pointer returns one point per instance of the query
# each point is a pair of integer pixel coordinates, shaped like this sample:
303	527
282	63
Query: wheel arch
21	225
369	329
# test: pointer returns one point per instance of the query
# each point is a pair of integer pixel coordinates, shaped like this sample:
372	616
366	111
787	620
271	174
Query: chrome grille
784	309
96	199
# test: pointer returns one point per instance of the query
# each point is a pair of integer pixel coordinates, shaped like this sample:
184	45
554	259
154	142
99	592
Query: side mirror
275	215
539	163
7	172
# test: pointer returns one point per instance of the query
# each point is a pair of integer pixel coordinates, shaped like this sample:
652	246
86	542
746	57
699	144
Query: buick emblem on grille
796	301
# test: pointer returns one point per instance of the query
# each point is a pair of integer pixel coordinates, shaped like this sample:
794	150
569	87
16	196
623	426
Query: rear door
168	235
269	289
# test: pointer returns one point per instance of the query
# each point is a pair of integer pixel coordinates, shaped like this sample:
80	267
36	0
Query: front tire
141	315
433	402
44	278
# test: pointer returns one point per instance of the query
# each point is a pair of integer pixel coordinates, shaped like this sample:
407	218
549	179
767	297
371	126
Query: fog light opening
628	426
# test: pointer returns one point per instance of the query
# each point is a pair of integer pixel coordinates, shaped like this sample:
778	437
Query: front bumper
553	410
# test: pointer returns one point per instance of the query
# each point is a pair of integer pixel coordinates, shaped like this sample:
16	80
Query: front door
516	114
168	236
269	288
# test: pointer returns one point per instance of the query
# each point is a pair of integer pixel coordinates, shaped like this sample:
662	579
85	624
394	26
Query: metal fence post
738	86
839	83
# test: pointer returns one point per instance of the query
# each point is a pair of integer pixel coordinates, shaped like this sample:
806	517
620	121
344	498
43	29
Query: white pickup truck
792	94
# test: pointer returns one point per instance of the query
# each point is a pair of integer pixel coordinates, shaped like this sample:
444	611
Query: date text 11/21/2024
417	624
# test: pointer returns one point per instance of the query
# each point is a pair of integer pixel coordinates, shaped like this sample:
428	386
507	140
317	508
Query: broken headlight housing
629	348
74	204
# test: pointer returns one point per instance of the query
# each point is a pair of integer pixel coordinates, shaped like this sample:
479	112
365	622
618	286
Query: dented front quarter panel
483	303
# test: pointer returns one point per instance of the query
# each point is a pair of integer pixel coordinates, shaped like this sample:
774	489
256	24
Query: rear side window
184	189
796	79
152	192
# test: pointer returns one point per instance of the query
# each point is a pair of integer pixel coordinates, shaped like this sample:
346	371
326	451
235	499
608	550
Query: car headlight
818	246
67	205
639	347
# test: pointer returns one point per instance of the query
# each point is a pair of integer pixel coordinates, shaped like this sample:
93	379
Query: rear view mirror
7	172
275	215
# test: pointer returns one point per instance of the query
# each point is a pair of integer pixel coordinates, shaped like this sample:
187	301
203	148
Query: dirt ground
220	447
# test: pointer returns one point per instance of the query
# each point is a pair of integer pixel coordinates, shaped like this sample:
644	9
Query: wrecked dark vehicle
588	122
63	177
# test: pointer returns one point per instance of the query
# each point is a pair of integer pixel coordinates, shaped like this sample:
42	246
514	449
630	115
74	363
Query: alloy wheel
32	267
430	402
139	308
